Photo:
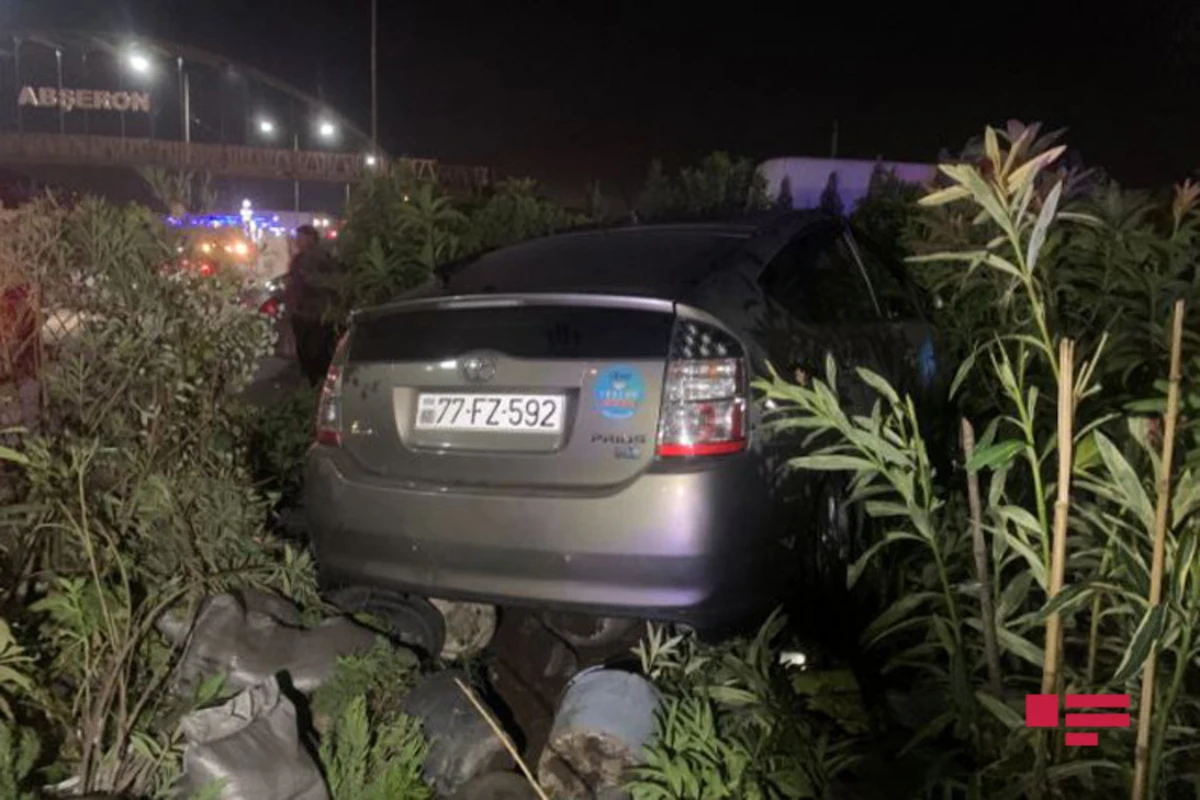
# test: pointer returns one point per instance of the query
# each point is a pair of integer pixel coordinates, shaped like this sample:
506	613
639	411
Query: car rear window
638	262
550	331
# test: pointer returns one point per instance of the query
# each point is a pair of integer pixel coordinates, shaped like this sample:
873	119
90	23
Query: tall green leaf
1126	481
1145	638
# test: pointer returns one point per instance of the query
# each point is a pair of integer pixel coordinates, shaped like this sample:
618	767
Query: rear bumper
693	546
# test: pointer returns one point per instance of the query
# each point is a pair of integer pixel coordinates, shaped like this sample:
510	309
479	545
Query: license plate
516	413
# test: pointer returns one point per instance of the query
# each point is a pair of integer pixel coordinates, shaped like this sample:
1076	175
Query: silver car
568	423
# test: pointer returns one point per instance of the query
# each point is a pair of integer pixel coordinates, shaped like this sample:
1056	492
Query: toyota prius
568	423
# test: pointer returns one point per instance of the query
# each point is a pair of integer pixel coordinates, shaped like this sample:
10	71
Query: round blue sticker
618	392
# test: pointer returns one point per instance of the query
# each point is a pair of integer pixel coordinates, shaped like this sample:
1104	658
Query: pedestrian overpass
222	160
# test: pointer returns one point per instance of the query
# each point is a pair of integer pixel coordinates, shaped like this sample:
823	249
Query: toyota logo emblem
478	369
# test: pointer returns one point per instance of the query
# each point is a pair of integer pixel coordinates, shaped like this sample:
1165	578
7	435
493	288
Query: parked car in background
267	299
568	423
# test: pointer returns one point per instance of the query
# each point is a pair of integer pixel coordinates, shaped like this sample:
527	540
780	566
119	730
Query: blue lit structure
257	222
255	225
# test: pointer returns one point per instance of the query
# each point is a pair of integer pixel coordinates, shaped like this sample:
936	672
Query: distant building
809	178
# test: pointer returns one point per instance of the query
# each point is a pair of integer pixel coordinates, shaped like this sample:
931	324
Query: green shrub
399	229
377	758
396	231
512	213
887	214
138	495
692	759
278	438
1119	271
733	726
369	749
961	640
719	186
381	678
1023	254
14	670
19	751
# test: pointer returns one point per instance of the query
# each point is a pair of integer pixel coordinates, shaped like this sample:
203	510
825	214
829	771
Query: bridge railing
220	159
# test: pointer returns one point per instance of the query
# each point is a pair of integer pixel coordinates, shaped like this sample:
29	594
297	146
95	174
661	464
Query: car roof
644	260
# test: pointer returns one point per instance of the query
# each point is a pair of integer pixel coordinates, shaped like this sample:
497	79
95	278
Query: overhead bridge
222	159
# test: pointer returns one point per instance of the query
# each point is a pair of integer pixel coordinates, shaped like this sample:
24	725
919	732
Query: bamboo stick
503	737
982	568
1058	558
1141	759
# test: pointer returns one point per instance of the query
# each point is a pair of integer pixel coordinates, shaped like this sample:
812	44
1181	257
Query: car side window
817	281
894	296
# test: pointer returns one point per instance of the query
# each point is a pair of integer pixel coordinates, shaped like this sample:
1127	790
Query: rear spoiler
452	302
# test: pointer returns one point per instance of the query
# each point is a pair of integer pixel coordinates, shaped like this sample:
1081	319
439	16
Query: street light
139	63
371	160
266	127
327	129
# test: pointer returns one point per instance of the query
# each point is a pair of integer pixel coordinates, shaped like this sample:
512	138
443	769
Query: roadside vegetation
399	230
130	498
1057	554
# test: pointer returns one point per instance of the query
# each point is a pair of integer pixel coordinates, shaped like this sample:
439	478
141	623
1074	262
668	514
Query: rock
278	608
469	627
604	720
462	745
496	786
251	745
250	647
174	625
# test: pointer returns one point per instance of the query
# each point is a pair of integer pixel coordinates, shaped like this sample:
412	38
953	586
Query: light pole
58	66
185	109
17	73
296	171
374	75
87	127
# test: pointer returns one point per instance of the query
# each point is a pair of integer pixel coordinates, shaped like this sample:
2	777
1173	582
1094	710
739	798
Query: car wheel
588	631
836	539
411	620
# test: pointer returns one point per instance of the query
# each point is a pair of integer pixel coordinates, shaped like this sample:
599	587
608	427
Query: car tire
589	631
836	541
411	620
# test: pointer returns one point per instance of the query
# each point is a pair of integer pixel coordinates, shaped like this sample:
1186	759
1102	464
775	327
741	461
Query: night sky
569	92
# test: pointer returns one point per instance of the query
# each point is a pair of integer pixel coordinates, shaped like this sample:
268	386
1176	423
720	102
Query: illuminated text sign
84	99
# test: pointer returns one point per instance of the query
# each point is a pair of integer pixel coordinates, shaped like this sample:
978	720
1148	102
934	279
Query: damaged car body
569	423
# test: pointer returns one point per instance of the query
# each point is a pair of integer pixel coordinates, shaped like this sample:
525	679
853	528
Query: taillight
704	398
329	409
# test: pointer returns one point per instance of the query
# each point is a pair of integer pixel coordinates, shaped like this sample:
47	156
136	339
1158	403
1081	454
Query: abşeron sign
85	99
